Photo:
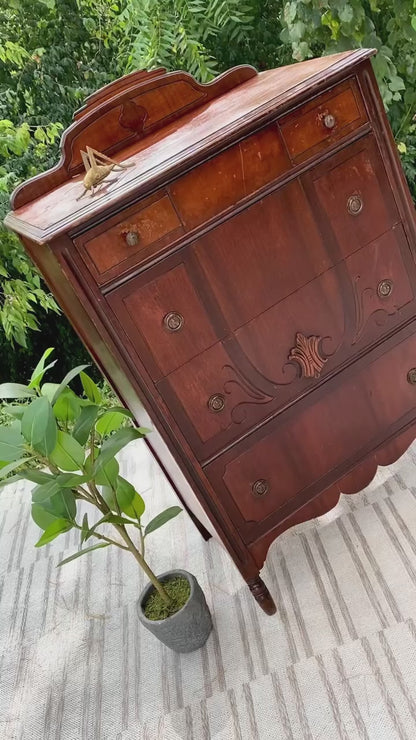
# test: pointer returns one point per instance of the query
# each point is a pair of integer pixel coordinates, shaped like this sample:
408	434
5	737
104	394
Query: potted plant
66	444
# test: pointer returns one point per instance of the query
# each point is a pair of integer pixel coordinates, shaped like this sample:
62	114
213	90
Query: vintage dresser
247	282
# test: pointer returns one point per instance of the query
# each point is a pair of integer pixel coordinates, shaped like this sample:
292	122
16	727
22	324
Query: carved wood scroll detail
249	392
306	352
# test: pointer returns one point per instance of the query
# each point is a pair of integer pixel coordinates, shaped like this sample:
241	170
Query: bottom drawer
285	458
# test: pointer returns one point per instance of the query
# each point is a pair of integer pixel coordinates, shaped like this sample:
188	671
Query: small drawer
164	319
130	237
272	472
322	121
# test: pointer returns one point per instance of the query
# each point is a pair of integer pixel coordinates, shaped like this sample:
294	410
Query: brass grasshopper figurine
97	167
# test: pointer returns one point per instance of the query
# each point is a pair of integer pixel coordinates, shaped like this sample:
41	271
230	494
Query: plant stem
131	546
140	559
103	537
141	541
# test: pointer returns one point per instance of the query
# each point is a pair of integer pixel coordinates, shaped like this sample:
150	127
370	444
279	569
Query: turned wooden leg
262	595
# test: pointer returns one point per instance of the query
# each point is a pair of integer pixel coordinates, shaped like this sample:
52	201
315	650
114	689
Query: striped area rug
337	661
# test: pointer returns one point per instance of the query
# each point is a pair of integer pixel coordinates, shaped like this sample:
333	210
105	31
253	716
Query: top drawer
316	125
130	237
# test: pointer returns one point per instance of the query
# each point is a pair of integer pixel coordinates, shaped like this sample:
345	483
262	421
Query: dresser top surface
50	205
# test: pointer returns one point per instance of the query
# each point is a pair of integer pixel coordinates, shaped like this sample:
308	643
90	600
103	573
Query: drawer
347	309
130	237
214	398
282	354
263	254
353	194
216	185
318	124
164	318
270	474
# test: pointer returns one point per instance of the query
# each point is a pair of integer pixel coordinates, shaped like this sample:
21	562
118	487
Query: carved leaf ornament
307	354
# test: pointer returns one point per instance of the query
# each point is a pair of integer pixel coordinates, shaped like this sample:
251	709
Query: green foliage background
53	53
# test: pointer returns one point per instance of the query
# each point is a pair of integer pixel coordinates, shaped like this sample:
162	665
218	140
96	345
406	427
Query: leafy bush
45	75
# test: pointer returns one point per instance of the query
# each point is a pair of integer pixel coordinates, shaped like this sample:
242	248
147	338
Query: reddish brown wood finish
310	128
223	181
109	253
265	314
374	406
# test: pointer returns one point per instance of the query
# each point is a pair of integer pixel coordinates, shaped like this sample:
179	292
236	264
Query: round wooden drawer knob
173	321
260	487
132	238
216	403
354	205
384	288
329	121
411	376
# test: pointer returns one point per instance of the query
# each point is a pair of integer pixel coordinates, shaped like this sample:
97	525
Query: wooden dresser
247	282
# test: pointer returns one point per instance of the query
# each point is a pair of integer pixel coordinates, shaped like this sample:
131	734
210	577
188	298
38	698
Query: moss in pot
188	627
67	445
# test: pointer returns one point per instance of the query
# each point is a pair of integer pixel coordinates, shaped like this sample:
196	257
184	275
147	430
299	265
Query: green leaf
49	390
109	422
16	390
129	501
70	480
45	491
108	475
54	530
11	444
114	444
38	476
107	492
67	406
91	390
126	412
162	518
62	504
85	423
396	83
40	368
68	454
42	517
67	379
15	411
85	528
6	469
82	552
413	22
39	426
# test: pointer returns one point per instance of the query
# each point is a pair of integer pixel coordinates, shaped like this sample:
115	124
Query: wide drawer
263	254
322	121
267	476
286	351
130	237
164	318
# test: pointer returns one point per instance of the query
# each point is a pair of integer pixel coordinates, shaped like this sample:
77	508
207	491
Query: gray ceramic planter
189	628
